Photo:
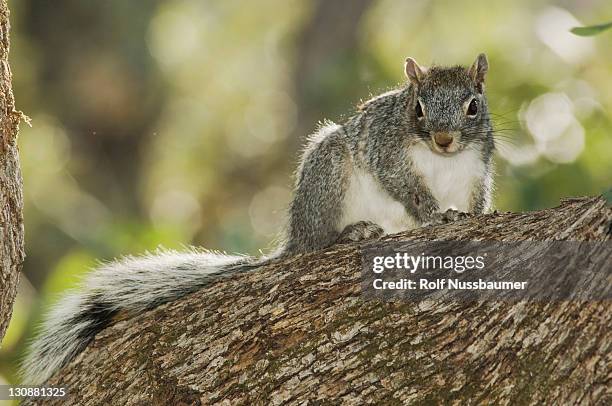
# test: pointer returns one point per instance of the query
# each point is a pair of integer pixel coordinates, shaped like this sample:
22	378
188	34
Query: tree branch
298	330
11	198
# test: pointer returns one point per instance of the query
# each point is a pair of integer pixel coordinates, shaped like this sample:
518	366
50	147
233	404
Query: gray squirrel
405	158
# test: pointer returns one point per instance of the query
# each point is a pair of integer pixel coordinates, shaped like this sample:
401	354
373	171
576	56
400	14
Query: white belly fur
450	179
366	200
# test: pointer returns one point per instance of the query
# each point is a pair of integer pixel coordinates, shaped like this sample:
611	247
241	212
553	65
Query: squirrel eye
472	108
418	110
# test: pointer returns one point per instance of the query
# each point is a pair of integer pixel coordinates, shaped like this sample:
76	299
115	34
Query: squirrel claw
448	216
360	231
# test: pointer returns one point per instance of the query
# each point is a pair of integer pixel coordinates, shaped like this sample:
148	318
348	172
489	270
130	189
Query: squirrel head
448	107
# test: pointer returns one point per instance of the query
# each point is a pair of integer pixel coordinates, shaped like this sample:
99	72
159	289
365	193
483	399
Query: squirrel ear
413	71
479	69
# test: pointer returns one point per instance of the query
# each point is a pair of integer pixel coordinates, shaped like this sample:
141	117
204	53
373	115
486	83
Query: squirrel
400	162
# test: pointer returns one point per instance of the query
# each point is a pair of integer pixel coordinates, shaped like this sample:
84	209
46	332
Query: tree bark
298	330
11	199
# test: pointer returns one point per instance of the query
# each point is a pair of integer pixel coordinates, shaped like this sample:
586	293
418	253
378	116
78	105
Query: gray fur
132	284
378	139
374	146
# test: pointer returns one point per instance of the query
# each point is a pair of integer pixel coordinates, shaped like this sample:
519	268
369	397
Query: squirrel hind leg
360	231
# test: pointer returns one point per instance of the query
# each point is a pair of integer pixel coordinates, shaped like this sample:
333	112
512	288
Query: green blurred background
176	123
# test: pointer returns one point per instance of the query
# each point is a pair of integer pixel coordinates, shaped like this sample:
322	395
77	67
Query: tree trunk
299	330
328	43
11	199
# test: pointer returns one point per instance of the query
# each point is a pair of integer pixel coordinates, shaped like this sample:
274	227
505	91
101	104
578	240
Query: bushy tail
132	284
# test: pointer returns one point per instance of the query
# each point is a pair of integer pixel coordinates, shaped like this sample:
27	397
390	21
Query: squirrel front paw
362	230
448	216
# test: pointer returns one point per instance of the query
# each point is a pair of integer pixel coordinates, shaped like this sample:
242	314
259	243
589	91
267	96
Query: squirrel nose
443	139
